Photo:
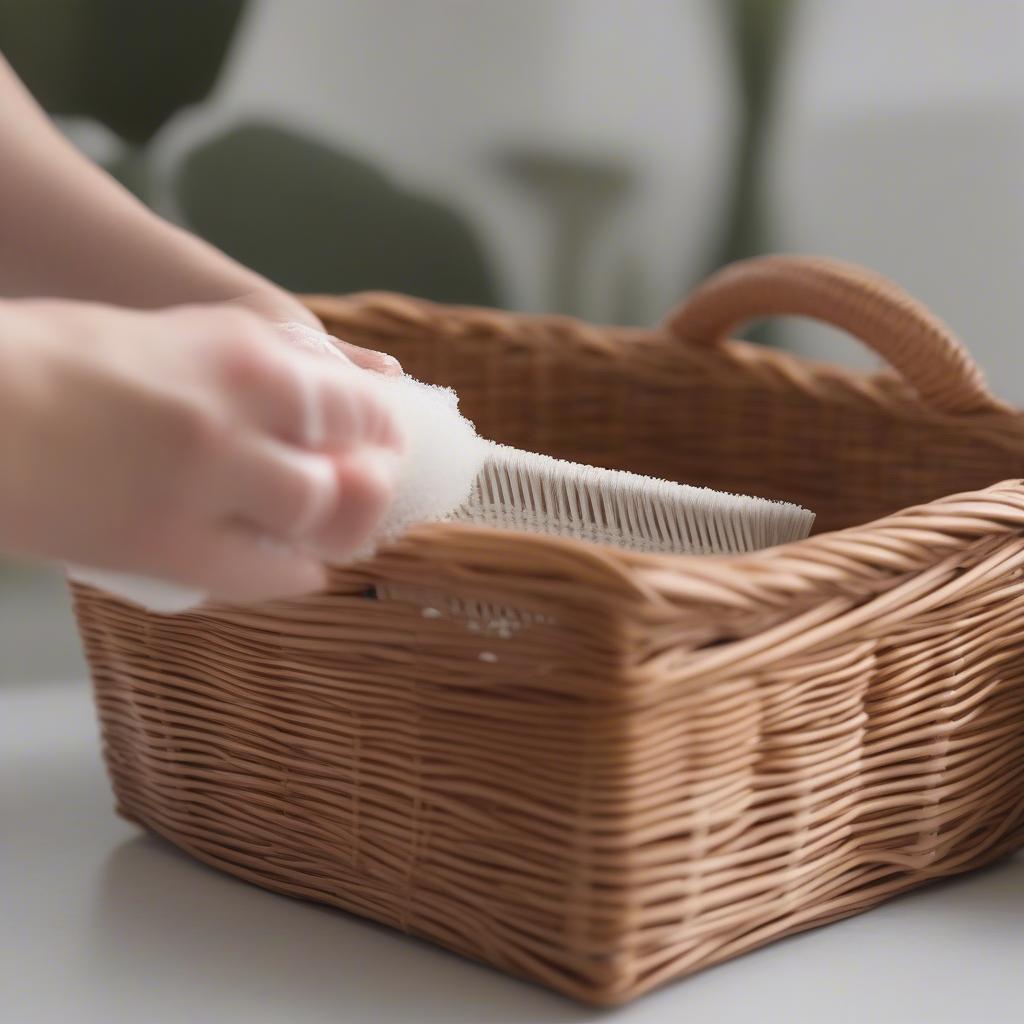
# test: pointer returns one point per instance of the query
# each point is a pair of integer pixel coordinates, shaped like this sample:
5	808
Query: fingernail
389	364
312	340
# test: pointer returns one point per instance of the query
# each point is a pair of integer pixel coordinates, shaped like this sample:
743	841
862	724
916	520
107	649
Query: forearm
67	228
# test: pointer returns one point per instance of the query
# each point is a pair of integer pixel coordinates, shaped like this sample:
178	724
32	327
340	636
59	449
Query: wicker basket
603	770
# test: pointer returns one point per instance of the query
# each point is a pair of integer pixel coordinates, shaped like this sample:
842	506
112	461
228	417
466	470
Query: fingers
280	490
340	408
352	410
295	391
307	400
330	505
366	486
239	562
235	563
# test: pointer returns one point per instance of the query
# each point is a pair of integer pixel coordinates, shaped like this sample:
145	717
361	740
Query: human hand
189	445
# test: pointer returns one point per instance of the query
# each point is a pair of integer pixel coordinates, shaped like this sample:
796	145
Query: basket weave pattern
600	769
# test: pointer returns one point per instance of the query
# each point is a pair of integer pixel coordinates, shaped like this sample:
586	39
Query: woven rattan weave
603	770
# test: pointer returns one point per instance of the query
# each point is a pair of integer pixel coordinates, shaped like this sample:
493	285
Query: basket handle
883	316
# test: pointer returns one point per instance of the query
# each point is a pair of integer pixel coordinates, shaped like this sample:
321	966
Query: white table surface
99	922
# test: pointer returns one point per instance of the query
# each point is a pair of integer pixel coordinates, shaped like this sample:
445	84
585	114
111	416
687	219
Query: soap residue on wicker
485	618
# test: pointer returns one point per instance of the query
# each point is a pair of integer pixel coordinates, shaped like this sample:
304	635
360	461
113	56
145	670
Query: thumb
321	343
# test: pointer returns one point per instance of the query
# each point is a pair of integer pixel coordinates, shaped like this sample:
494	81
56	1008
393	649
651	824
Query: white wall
900	144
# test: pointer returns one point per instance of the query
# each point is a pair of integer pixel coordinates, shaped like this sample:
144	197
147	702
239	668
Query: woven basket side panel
101	643
851	448
367	757
600	796
785	792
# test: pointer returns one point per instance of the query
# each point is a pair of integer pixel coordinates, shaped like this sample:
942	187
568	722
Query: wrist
200	273
278	306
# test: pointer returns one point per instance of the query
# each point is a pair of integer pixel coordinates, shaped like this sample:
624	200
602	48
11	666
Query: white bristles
519	490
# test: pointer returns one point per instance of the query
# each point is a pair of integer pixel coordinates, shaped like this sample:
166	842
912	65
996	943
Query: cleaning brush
451	474
518	490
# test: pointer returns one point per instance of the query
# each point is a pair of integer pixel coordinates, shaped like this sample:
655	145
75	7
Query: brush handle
900	329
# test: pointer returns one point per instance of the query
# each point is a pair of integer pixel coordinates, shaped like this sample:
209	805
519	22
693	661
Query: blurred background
593	157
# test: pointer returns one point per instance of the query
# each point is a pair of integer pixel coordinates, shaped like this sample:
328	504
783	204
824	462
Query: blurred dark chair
316	219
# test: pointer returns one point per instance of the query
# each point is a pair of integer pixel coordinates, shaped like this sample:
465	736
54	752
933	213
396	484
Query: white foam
444	454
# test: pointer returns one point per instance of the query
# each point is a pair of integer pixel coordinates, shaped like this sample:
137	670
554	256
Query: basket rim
909	540
394	315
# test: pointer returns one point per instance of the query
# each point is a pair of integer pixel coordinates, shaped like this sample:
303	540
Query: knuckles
239	353
193	436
